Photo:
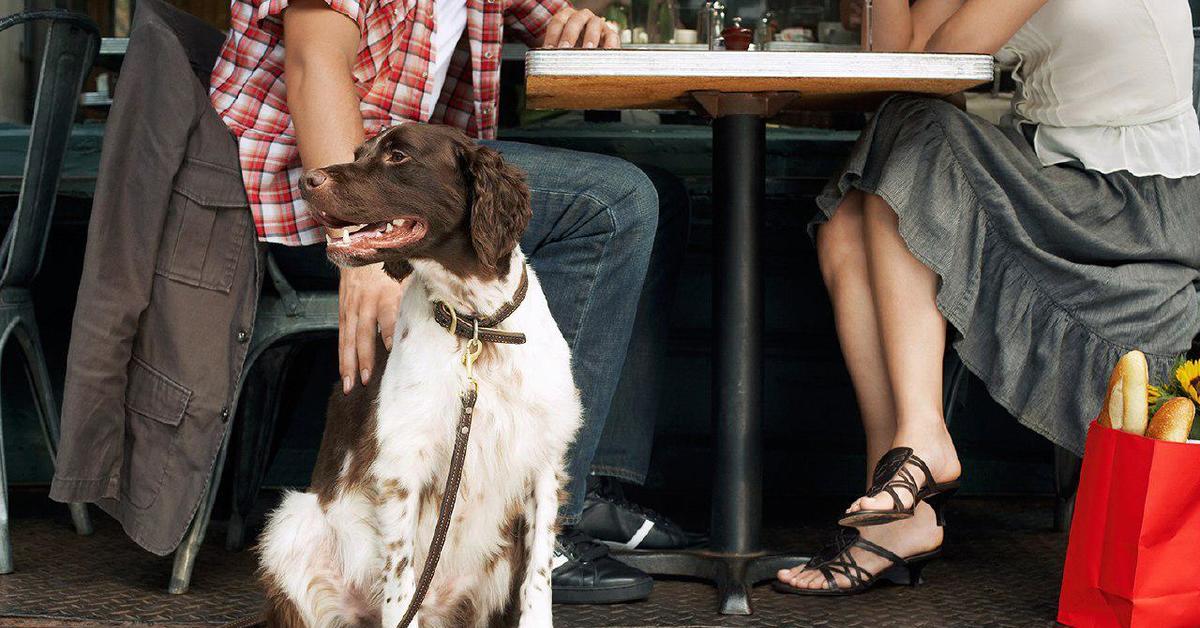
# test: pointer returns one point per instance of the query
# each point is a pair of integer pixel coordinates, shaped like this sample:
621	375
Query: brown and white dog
427	202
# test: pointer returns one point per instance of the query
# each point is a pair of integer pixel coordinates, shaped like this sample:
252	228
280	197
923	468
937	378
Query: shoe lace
608	492
577	545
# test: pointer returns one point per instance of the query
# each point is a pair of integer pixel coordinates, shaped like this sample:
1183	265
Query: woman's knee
840	241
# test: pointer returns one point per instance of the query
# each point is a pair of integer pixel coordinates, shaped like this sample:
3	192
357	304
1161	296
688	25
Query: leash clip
474	348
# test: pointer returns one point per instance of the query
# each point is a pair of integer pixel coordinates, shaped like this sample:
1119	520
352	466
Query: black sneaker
615	521
584	573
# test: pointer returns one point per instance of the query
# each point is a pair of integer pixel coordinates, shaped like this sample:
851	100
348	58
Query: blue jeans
591	240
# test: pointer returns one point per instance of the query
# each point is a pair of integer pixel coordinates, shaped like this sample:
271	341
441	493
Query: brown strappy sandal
891	474
900	571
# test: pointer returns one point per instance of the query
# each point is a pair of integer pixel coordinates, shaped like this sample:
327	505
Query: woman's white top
1109	84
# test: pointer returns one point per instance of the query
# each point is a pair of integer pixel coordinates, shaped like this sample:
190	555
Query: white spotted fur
330	562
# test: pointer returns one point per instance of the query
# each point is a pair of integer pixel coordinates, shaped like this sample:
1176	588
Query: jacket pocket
205	229
154	406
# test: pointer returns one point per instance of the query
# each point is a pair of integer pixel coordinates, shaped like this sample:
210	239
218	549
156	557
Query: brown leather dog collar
466	326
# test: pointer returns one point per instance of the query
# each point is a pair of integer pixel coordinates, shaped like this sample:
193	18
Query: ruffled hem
1037	359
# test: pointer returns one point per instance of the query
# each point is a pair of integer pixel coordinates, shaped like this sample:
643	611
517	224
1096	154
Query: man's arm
320	49
556	24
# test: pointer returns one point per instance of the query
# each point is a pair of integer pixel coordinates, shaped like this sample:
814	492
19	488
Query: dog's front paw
536	619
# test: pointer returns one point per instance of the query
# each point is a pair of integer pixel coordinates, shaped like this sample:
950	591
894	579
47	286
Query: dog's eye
397	156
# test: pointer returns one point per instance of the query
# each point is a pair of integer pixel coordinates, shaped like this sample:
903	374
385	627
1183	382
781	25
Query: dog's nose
315	179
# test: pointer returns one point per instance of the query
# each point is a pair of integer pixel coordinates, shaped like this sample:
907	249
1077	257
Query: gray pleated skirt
1048	274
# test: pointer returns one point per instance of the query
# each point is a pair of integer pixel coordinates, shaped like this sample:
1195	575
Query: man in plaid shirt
301	83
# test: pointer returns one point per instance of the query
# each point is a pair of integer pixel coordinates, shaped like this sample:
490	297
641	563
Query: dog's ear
397	269
499	205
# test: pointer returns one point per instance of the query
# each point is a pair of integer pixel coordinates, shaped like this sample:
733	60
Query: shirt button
487	55
424	75
242	336
225	414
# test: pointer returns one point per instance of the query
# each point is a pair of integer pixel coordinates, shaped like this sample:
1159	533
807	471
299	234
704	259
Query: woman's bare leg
912	339
841	250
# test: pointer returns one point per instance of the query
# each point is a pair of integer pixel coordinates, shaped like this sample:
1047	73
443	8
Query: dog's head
419	191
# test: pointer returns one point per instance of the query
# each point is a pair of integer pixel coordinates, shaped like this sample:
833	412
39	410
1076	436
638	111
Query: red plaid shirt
391	77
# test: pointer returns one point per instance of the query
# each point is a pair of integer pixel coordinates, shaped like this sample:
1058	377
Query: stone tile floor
1002	568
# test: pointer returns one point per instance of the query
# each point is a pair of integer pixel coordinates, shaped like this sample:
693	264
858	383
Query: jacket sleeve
527	19
153	113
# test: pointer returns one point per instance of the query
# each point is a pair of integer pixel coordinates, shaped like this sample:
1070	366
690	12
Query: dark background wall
813	440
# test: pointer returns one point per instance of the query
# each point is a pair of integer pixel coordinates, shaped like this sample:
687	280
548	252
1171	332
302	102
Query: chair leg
1066	482
258	416
189	548
43	392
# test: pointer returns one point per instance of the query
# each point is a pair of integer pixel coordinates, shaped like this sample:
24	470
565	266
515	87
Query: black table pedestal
735	559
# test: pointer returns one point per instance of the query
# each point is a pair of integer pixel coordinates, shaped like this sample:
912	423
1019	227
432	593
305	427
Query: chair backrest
71	45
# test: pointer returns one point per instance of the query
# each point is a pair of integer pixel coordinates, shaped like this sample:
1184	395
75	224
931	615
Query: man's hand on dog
572	28
368	302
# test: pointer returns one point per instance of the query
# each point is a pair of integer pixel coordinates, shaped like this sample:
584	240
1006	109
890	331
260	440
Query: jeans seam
621	473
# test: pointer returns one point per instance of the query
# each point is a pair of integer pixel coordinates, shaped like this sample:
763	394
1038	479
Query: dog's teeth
399	222
345	236
328	240
388	228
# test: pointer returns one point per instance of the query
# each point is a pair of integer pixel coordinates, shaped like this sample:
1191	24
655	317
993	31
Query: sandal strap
916	461
878	550
889	464
845	565
843	538
892	472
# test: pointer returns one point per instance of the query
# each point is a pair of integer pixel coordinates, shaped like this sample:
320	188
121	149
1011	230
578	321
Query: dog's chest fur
526	414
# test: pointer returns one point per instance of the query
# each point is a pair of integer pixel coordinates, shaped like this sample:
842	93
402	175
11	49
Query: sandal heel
938	500
915	569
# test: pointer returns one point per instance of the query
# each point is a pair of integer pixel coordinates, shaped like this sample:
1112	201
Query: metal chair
285	318
71	45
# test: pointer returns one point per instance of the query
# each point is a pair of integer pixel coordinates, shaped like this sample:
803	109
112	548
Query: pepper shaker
712	22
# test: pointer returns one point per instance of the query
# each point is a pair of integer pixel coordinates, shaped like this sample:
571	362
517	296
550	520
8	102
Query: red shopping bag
1134	552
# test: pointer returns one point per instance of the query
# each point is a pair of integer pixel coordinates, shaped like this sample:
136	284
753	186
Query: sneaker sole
612	595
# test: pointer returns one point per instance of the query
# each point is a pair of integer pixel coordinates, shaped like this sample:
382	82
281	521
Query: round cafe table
739	91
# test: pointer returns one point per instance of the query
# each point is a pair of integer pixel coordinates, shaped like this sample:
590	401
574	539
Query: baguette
1126	407
1173	421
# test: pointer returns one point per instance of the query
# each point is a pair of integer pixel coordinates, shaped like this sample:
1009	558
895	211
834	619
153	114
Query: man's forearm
320	50
325	114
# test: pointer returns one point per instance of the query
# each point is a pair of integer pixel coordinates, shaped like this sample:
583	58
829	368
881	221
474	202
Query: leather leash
477	331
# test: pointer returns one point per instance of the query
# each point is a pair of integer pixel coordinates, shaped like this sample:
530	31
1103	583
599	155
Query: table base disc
734	575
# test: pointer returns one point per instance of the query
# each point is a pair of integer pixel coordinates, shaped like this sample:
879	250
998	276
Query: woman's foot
936	449
910	537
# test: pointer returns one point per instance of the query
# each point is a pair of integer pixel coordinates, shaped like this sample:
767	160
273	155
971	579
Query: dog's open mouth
357	239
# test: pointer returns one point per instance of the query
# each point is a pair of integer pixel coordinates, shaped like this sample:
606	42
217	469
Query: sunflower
1188	376
1154	393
